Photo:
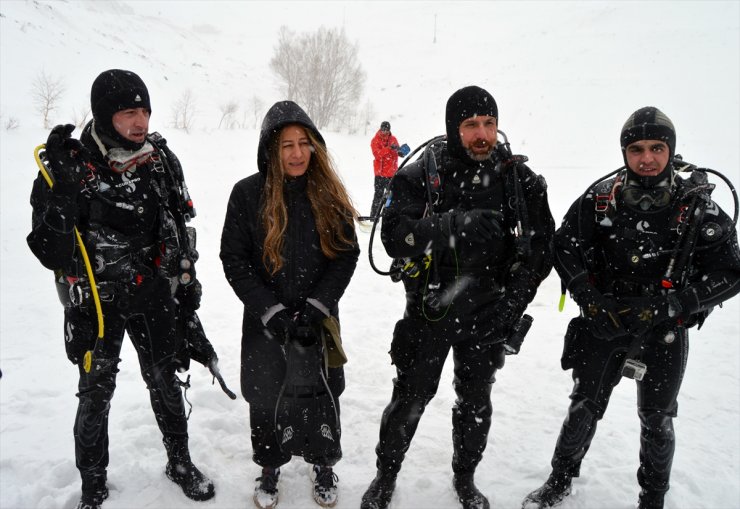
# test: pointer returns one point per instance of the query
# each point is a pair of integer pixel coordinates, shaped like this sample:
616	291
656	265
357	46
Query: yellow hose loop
87	360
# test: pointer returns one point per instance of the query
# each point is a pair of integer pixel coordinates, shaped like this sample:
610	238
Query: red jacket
386	158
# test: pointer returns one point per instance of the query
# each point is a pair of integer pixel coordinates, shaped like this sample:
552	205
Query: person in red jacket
385	150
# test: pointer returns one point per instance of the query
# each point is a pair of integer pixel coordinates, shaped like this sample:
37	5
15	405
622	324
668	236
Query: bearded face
478	135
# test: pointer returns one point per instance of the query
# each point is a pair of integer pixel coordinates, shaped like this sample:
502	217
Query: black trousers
148	318
380	184
597	368
419	349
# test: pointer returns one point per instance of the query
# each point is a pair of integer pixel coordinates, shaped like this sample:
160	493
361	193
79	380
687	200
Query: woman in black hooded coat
288	249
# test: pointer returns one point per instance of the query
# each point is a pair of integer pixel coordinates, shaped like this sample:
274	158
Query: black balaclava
649	123
112	91
385	126
465	103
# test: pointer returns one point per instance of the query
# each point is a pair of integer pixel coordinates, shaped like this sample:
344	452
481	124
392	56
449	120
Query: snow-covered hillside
565	75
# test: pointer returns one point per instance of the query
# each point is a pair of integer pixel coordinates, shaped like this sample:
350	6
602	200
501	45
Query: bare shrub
12	123
228	110
46	91
183	111
257	107
80	117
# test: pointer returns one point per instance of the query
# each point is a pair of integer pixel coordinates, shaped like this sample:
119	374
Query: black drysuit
483	288
306	274
126	250
624	252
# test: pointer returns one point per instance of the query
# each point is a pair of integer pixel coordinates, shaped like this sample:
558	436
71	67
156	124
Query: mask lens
646	198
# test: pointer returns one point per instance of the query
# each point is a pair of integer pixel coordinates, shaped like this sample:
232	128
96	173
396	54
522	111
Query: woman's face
295	150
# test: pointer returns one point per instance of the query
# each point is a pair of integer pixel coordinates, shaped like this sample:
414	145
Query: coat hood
278	116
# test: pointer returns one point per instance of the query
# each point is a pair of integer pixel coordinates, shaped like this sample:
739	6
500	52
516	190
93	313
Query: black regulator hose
381	205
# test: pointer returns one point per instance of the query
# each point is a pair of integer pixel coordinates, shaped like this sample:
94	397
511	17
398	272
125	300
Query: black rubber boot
650	500
468	494
380	491
181	471
94	492
266	491
550	494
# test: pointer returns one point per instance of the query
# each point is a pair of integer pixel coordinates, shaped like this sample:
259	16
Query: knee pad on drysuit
657	445
576	434
470	425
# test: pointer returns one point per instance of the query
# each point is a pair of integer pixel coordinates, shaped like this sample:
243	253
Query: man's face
132	124
478	136
295	150
647	158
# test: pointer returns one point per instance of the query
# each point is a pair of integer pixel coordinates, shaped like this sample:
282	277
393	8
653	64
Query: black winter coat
306	272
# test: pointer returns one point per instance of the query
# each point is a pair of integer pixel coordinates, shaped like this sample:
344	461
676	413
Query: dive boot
550	494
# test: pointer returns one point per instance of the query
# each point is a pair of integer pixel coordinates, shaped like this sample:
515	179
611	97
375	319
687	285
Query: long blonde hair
331	205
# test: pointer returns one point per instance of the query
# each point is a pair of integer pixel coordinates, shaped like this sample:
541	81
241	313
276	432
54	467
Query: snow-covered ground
565	74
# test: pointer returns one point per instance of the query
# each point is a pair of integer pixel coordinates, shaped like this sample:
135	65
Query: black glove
189	296
600	312
311	315
200	348
507	311
484	322
477	225
640	314
68	160
282	325
394	147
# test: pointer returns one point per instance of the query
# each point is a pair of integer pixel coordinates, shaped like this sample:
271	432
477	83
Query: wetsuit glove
281	325
189	296
600	312
199	348
477	225
643	313
68	160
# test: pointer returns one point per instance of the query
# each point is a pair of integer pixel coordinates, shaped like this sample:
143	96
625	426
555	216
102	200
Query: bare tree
285	61
257	106
11	123
320	71
228	110
46	91
368	112
80	117
183	111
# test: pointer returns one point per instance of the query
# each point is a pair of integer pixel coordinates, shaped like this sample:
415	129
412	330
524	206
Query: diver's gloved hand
477	225
190	296
68	160
281	325
199	347
506	312
641	314
600	312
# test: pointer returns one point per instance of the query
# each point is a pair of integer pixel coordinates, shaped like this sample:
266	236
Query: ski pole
87	359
